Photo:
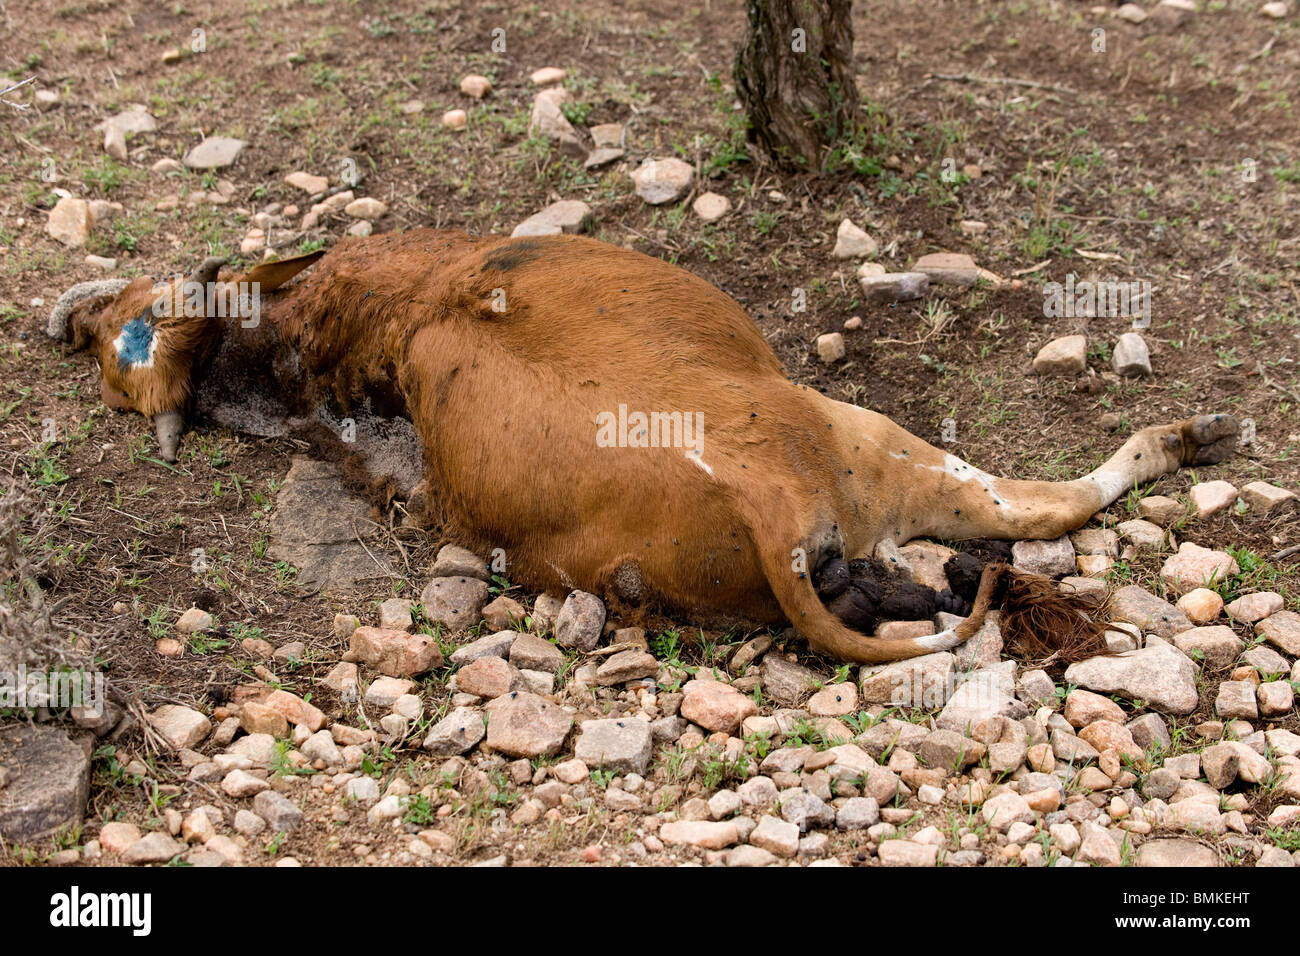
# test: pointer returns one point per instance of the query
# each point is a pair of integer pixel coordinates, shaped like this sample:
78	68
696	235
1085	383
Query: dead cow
613	422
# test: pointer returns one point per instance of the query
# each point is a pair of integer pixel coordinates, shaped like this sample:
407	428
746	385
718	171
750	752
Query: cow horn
57	327
207	272
169	426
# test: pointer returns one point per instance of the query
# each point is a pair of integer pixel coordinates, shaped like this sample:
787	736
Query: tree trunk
794	75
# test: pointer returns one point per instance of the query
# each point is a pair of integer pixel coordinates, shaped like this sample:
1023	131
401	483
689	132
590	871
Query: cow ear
271	275
86	323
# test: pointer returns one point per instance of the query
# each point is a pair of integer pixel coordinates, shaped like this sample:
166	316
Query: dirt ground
1175	153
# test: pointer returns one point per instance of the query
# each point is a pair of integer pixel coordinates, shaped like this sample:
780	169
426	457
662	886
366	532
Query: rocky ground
471	728
448	716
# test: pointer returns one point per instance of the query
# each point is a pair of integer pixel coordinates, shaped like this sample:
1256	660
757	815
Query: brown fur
506	405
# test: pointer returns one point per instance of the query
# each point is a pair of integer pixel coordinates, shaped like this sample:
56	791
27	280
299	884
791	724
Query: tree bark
794	75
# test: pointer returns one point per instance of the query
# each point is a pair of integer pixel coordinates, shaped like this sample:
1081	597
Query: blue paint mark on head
135	342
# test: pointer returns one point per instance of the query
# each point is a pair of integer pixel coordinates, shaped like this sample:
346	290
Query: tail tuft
1040	624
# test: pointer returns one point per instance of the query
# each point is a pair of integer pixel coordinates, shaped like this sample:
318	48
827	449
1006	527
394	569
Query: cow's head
152	336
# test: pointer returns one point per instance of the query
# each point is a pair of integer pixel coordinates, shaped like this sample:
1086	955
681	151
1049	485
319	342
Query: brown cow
613	422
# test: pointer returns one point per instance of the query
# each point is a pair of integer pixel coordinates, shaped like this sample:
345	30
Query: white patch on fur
694	457
939	642
1112	484
564	576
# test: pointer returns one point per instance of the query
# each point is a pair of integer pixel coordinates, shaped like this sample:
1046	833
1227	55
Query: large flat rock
315	527
49	782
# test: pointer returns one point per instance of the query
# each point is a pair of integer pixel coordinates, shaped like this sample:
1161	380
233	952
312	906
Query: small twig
1001	80
1287	552
17	106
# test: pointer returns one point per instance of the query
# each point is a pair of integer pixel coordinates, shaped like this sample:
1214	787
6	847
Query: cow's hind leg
960	501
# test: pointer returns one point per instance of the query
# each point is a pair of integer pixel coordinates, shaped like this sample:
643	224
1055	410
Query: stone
394	652
321	746
455	119
311	185
894	287
907	853
1282	630
1211	497
1098	847
1195	567
521	724
296	710
1236	699
1104	735
1201	605
622	745
453	561
626	665
457	733
44	782
281	814
1001	811
215	152
567	216
716	706
1149	729
948	268
985	693
1083	707
258	718
476	86
1217	645
926	681
852	242
488	677
837	700
1051	558
950	752
454	602
546	75
384	692
1139	606
1143	534
69	222
311	527
1161	675
1261	497
1132	13
156	847
660	181
857	813
1130	356
830	347
530	652
241	783
749	856
580	622
1160	510
1064	356
778	837
180	726
805	809
1071	749
492	645
1275	698
548	121
786	683
1252	608
711	206
706	834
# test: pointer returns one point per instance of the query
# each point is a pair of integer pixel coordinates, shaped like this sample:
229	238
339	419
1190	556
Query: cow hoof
1209	439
